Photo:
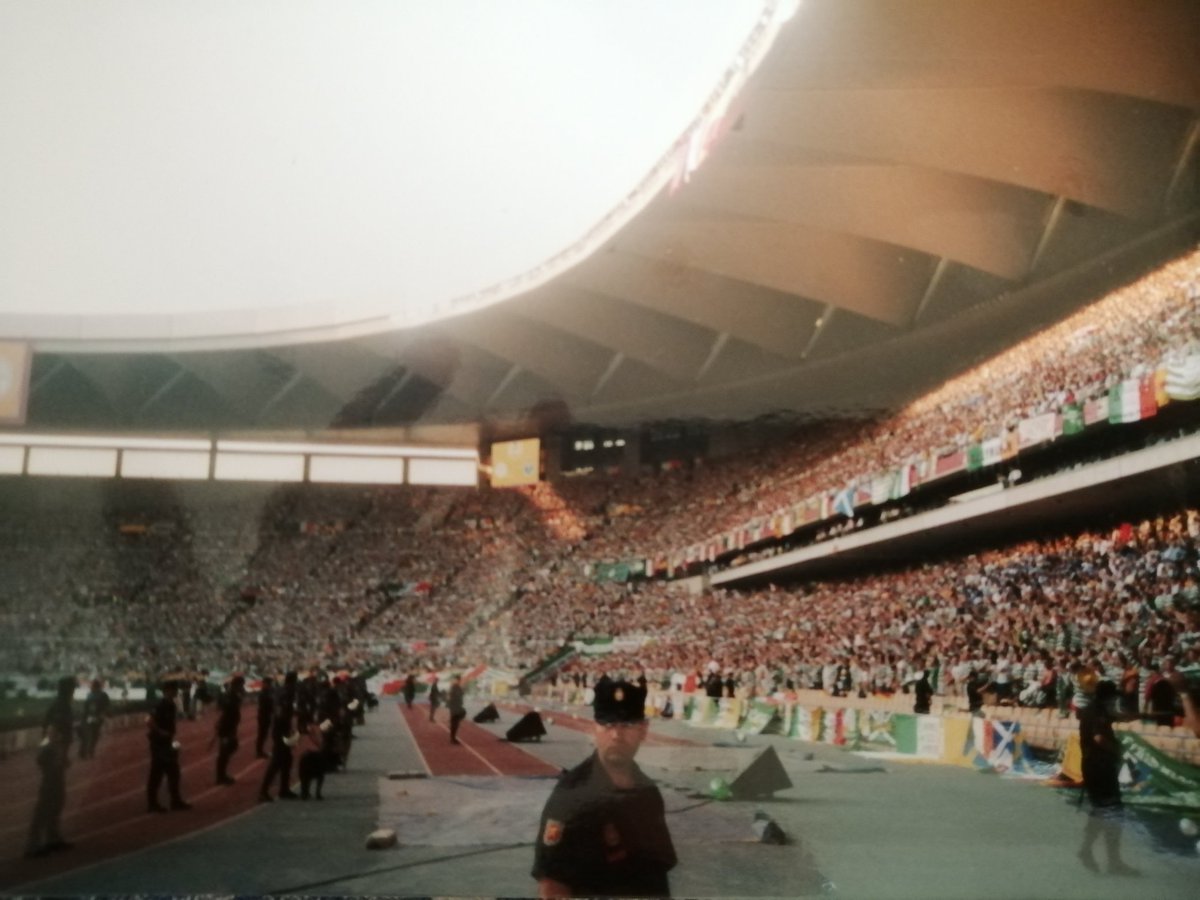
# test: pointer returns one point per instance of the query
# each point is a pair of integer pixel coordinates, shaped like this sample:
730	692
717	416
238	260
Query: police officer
266	714
283	739
360	694
60	713
346	717
435	698
164	751
44	834
603	831
202	691
330	711
95	711
456	707
923	694
1100	763
229	717
306	701
410	689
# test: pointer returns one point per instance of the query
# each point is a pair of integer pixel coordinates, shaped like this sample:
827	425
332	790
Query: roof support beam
280	394
934	281
1189	147
401	384
1052	221
166	388
717	347
47	377
617	359
822	324
503	385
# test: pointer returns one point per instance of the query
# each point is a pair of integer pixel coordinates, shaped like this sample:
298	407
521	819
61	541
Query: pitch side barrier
1010	740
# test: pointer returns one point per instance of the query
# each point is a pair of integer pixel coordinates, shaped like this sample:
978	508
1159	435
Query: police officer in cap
283	738
164	751
603	831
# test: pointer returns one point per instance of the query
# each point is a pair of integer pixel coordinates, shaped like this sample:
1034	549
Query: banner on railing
761	717
729	713
1151	778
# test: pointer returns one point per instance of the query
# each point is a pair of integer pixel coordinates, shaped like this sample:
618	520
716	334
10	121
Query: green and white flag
1183	379
1072	419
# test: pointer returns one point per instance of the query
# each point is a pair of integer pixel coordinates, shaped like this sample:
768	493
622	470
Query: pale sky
302	163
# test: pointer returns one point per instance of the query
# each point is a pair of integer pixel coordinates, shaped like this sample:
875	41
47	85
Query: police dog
313	766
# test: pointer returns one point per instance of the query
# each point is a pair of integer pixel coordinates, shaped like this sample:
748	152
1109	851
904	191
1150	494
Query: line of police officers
324	709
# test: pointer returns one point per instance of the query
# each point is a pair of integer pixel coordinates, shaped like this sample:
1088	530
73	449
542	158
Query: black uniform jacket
604	841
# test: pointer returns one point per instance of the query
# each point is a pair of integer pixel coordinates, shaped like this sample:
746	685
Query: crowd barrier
948	734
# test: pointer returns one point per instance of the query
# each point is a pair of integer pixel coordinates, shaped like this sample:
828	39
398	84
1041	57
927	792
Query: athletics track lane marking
97	834
499	756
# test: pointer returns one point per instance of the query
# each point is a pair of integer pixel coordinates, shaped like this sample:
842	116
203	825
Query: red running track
105	814
479	752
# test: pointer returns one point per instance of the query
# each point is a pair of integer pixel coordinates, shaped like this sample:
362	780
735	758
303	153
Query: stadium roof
896	190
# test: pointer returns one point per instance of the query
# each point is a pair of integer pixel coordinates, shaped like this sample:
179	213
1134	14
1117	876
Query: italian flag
1132	400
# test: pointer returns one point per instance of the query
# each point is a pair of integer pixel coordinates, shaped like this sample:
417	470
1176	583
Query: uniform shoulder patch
552	833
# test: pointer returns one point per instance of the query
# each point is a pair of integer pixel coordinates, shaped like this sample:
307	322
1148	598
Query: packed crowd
1127	333
249	577
1020	620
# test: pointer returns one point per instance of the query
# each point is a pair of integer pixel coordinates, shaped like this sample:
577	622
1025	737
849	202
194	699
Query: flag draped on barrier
875	730
1182	381
1131	401
1072	419
1037	430
1151	778
762	718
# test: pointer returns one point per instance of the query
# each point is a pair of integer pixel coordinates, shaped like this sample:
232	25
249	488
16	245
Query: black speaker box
528	728
761	778
488	714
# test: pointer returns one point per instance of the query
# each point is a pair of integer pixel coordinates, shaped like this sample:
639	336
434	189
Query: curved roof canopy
892	190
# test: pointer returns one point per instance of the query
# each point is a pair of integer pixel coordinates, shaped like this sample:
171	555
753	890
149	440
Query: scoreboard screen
516	463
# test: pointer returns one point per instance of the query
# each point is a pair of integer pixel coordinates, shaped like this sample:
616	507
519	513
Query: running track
479	752
105	814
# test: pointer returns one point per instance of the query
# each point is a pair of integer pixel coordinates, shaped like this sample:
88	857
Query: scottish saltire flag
1000	747
990	744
